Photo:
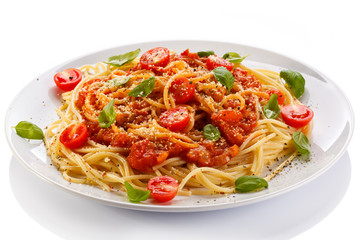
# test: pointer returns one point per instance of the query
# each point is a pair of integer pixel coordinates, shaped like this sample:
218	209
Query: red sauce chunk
246	79
235	125
211	154
143	156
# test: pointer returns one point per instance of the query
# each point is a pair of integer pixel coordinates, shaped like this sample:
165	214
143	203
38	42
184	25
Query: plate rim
189	208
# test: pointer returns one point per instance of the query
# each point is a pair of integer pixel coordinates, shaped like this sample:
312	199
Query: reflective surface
282	217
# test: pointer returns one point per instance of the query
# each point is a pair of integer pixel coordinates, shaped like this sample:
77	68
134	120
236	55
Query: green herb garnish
233	57
205	53
136	195
295	81
211	132
301	143
120	80
108	115
29	130
224	76
272	109
250	184
122	59
144	88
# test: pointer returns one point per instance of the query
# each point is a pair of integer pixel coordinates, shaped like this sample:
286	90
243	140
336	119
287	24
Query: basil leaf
250	183
205	53
121	59
211	132
136	195
29	130
233	57
272	109
301	143
108	115
295	81
144	88
224	76
120	80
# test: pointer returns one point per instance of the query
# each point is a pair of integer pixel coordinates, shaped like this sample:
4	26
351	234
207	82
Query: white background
37	35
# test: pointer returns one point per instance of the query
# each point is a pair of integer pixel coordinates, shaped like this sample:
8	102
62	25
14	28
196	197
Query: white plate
333	128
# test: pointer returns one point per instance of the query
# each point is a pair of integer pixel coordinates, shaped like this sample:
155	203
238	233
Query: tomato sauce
234	123
211	154
247	80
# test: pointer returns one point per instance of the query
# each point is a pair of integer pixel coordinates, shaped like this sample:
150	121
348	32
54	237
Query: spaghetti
164	132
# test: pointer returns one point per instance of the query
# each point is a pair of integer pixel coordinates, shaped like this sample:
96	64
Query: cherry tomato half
163	188
281	96
154	58
74	136
182	90
68	79
296	116
214	61
175	119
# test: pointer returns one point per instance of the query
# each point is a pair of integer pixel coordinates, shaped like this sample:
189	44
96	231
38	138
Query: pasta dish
200	119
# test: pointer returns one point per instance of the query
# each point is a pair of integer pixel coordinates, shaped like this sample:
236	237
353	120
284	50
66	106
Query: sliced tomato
281	96
175	119
74	136
214	61
143	156
163	188
182	90
68	79
155	58
296	116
